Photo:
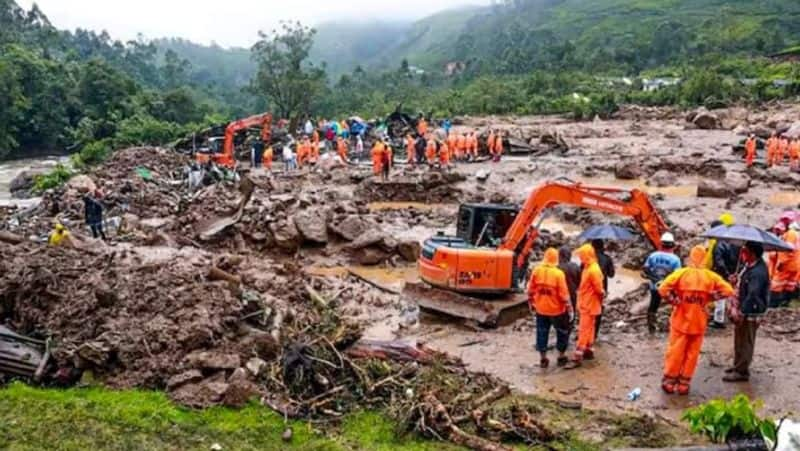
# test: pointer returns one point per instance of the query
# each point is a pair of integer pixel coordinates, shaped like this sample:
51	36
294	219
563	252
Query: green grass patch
98	419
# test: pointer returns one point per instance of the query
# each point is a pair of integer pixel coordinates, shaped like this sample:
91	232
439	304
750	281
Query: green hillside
344	45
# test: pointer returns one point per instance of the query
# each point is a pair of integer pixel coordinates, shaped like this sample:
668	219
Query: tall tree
285	77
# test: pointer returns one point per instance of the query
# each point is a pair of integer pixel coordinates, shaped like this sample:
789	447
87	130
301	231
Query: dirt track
322	228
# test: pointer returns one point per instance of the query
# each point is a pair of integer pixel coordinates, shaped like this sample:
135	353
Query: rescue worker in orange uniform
461	146
267	158
548	297
444	155
303	150
377	158
341	148
783	151
783	268
750	150
411	150
452	141
590	303
430	151
490	142
771	148
691	290
498	147
313	154
422	126
472	145
794	154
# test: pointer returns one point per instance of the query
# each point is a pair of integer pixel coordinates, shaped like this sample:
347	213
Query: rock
213	360
409	250
371	256
734	183
662	178
22	184
205	393
184	378
778	120
255	366
240	392
95	352
82	184
312	226
794	131
352	227
373	238
704	119
286	235
482	175
628	171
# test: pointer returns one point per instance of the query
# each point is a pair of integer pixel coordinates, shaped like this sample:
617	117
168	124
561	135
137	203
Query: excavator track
487	313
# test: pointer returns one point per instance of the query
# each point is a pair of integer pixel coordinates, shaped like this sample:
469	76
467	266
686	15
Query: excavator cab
485	224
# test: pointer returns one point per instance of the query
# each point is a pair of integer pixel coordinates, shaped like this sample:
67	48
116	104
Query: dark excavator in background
475	274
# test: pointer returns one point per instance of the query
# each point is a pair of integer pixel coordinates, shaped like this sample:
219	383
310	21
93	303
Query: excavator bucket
488	313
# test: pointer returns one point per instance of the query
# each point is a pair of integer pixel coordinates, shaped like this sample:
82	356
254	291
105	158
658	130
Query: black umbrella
606	232
744	233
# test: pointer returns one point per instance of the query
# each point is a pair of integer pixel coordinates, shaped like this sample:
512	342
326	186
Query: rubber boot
683	387
669	385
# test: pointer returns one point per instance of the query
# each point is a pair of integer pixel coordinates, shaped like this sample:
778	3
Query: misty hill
607	35
383	45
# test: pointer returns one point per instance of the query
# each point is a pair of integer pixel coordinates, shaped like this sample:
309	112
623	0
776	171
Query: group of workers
779	148
717	273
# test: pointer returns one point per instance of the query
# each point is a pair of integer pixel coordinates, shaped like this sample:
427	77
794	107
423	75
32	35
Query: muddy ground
146	310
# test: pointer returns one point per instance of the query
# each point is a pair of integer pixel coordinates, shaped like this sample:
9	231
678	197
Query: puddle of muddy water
785	199
686	189
382	206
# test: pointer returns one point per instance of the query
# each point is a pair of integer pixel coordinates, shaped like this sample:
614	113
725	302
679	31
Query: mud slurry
148	311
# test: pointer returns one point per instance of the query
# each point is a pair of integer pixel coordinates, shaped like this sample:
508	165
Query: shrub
53	179
722	421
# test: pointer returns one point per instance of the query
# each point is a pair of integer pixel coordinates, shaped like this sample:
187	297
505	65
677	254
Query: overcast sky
227	22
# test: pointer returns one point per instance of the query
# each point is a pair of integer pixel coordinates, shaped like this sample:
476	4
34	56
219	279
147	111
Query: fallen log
11	238
391	350
217	274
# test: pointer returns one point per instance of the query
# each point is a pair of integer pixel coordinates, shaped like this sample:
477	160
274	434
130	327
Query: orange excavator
223	155
487	259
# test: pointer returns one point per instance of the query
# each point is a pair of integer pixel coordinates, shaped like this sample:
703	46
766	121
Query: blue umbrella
744	233
606	232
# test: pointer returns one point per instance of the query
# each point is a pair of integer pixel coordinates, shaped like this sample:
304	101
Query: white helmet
668	238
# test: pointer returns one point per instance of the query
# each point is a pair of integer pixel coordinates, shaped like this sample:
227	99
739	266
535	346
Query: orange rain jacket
590	291
411	149
695	287
377	157
548	293
430	151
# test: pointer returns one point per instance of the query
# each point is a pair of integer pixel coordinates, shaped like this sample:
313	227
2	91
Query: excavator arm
521	235
226	158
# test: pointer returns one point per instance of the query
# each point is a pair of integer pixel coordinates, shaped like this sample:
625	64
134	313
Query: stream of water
12	168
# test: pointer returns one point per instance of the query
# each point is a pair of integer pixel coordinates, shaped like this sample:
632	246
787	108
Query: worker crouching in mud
691	290
548	296
590	304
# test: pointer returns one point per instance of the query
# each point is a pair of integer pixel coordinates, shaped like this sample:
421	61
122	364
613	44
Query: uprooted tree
286	78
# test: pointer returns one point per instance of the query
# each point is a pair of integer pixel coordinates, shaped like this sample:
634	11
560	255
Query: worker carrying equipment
548	296
691	290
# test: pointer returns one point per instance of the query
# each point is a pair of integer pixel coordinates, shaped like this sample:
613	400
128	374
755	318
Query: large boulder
793	131
662	178
82	184
22	184
409	250
352	227
704	119
370	256
628	171
285	235
312	226
734	183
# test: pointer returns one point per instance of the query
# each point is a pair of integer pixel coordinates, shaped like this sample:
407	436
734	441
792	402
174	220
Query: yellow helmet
60	227
727	219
